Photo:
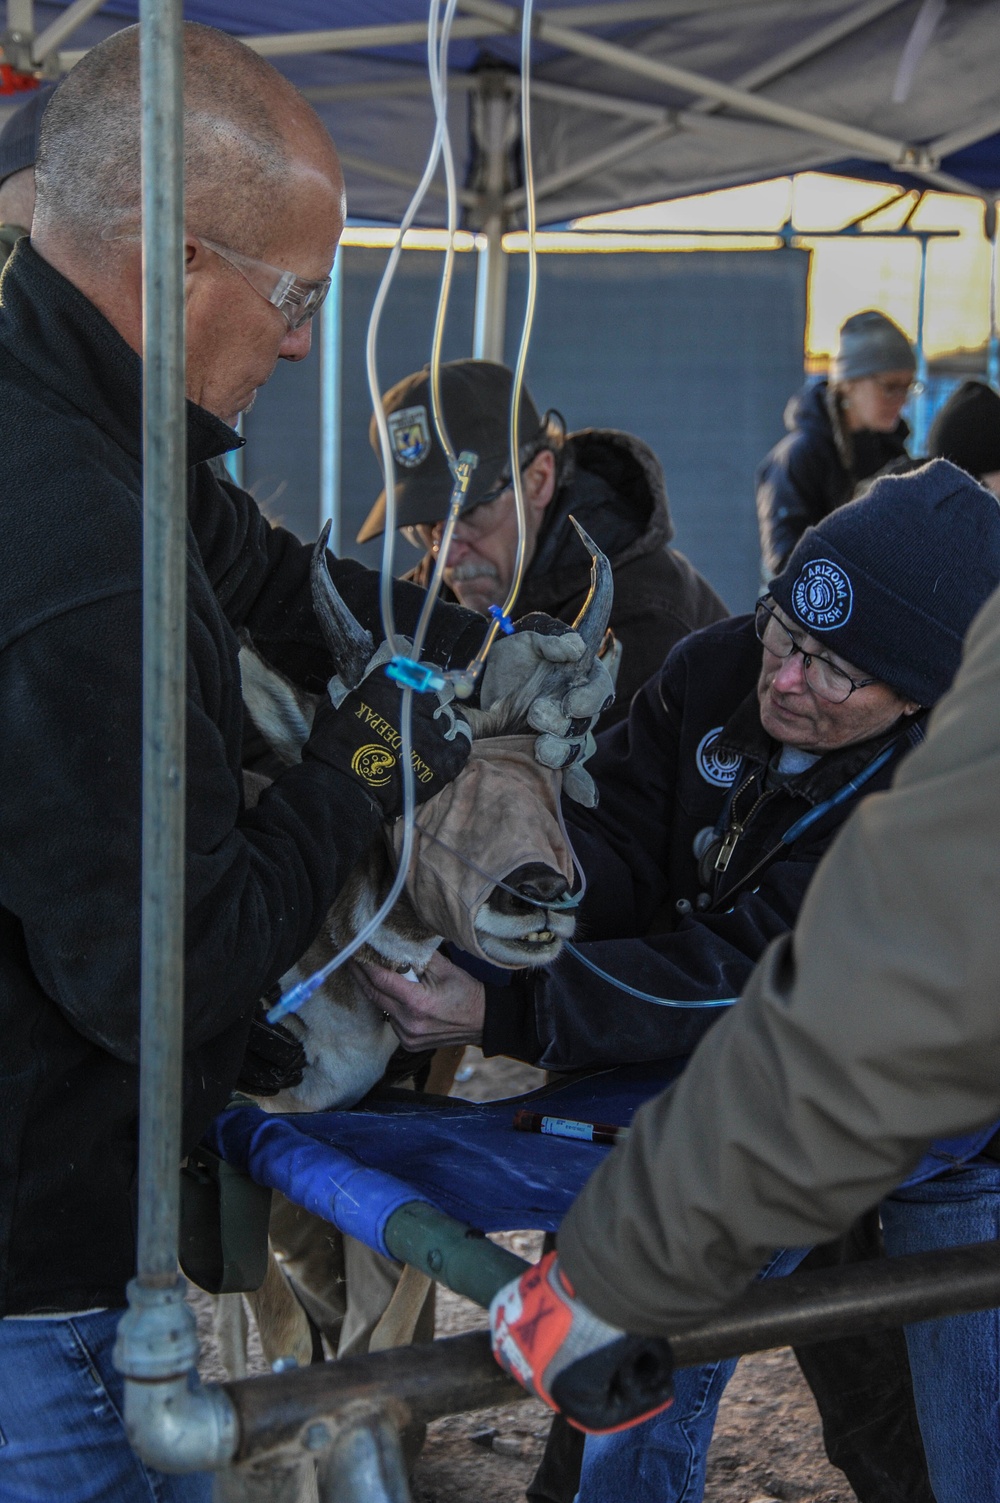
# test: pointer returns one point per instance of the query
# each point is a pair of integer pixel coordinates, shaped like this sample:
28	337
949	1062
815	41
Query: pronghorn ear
282	713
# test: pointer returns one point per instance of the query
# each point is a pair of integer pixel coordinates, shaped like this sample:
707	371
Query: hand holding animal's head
492	866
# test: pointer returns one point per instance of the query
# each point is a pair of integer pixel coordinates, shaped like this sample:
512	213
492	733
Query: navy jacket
685	770
258	882
813	470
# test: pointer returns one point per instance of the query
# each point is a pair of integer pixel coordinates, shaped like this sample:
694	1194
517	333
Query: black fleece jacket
258	882
691	763
814	469
615	489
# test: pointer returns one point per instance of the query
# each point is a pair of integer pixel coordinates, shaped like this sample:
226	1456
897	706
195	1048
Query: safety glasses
296	298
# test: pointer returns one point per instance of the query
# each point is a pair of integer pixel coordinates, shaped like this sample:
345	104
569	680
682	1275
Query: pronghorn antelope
494	836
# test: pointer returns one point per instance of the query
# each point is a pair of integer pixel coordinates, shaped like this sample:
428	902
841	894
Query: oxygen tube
793	833
465	681
405	667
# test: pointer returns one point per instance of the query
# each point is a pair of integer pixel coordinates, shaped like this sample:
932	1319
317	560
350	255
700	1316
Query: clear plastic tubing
437	52
466	682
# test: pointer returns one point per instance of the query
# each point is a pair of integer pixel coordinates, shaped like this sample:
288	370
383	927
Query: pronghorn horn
351	647
592	622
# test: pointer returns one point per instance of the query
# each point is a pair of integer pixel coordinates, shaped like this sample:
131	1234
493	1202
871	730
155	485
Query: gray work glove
565	720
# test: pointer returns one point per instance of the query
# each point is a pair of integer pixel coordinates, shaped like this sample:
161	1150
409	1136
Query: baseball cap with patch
475	396
891	582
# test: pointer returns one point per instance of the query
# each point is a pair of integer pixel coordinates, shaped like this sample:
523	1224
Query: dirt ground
767	1446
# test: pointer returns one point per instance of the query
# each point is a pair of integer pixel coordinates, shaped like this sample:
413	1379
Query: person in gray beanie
18	149
840	432
739	763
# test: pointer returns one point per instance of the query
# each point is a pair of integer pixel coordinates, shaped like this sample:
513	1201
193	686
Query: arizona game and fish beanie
893	581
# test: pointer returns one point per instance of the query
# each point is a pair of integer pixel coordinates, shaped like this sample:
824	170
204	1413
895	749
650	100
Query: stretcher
356	1168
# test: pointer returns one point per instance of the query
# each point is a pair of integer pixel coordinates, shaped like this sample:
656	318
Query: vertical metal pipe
164	638
18	37
492	123
993	345
921	401
491	294
330	345
174	1424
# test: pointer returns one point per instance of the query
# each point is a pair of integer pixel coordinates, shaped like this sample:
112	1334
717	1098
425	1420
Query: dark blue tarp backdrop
696	353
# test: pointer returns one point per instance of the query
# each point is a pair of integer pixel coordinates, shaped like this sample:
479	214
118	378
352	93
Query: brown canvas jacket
871	1030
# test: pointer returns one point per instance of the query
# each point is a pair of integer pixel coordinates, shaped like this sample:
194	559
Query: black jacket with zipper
814	469
258	882
615	489
689	766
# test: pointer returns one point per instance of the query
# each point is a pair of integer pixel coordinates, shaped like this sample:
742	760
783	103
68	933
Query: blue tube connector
422	678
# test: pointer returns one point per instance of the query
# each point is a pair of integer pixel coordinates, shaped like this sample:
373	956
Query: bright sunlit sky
850	274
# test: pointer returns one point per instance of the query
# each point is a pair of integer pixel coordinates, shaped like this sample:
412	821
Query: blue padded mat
465	1157
354	1168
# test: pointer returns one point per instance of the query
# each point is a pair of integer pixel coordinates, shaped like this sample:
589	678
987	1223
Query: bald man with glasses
264	209
738	764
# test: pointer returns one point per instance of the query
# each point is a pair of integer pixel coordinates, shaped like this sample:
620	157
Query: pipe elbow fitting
173	1423
177	1425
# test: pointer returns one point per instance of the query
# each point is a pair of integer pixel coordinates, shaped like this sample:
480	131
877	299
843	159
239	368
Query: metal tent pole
492	123
330	345
163	669
920	404
172	1424
993	347
19	34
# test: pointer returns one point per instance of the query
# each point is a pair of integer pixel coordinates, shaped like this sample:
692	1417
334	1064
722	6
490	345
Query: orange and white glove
599	1377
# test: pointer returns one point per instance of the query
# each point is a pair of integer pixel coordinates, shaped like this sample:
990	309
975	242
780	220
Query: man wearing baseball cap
739	763
18	149
610	481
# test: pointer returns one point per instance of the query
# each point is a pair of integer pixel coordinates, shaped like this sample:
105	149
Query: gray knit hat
869	344
19	137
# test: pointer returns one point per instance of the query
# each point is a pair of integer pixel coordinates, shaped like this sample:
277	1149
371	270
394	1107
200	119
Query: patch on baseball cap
822	596
410	435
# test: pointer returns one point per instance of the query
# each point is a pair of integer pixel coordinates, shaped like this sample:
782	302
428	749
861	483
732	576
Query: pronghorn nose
538	881
534	882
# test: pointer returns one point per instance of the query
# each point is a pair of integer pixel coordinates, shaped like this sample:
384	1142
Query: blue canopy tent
634	100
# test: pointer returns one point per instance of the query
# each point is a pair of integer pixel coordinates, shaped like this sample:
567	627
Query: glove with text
599	1377
361	737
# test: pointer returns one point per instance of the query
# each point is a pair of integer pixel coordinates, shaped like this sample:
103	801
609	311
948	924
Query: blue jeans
955	1365
663	1461
955	1362
62	1436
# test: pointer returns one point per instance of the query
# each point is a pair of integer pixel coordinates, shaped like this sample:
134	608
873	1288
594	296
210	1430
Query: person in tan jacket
869	1031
